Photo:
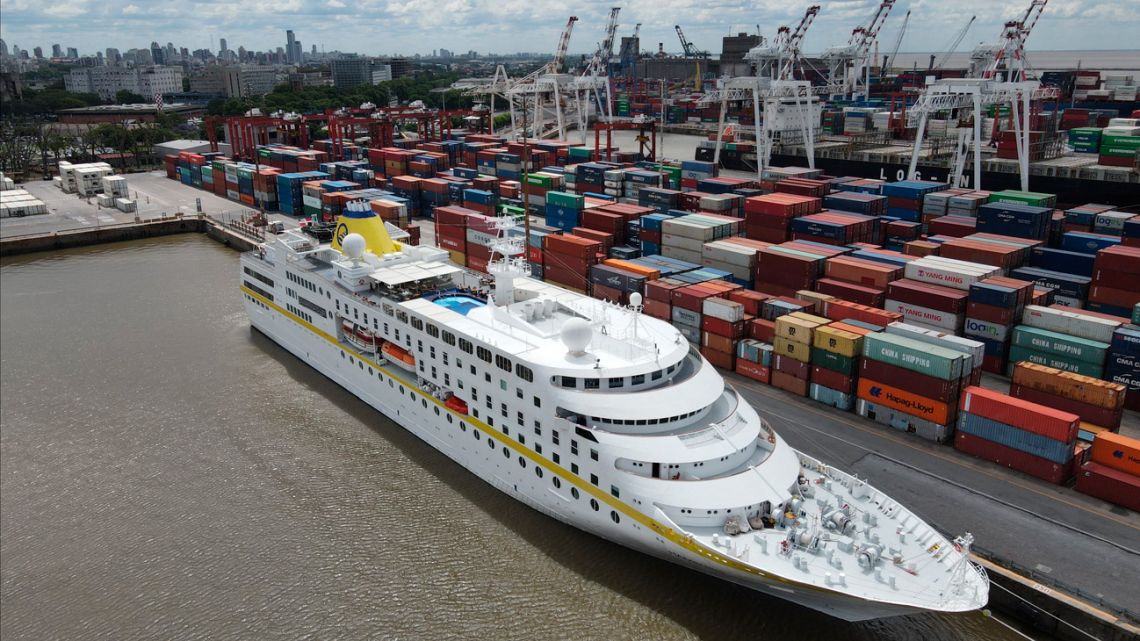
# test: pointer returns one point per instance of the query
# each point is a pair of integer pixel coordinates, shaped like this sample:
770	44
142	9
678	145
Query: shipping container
1018	439
1117	451
904	422
1070	323
905	401
752	370
943	391
1031	417
789	383
1100	416
1015	459
1109	484
836	398
833	361
915	355
838	341
1045	341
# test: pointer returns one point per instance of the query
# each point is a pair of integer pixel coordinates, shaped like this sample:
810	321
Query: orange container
905	401
648	272
1118	452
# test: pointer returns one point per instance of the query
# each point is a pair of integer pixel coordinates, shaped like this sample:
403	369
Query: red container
751	300
936	297
1110	485
789	383
658	309
991	314
661	290
838	310
1112	278
1031	417
762	330
832	379
690	297
723	360
722	327
1118	258
755	371
603	292
791	367
571	245
1101	416
573	278
902	378
869	296
1116	297
862	272
954	226
1043	469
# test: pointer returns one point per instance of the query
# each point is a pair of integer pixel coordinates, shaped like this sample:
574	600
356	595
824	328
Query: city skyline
418	27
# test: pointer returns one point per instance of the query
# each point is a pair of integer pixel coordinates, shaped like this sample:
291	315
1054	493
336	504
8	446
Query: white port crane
849	66
790	106
592	88
544	90
1008	55
949	50
898	42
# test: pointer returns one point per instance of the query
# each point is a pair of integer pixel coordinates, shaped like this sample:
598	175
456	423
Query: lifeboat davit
456	404
398	355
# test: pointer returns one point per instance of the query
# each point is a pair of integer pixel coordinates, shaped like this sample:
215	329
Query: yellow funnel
358	218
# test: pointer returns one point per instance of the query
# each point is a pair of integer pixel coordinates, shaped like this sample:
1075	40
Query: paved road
1061	535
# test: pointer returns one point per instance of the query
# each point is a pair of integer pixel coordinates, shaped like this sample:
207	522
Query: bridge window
449	338
569	381
432	331
637	380
616	382
592	383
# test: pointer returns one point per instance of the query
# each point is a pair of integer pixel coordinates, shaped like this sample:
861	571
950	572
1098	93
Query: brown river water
167	473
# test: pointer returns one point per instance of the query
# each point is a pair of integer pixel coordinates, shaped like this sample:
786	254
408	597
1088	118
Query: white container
1069	323
956	274
925	315
688	228
125	205
724	309
986	329
730	253
976	350
480	238
683	242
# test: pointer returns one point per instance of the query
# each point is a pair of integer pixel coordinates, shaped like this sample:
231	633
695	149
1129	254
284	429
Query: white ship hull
512	469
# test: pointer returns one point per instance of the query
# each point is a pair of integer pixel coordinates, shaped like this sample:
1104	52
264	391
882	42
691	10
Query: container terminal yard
929	279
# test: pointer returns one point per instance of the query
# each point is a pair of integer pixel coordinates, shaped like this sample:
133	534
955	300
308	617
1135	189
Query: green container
1136	314
511	210
1018	353
580	152
835	362
312	211
539	180
263	152
1060	345
908	353
1034	198
563	199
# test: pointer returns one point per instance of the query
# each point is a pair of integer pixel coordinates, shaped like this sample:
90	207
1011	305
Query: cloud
508	26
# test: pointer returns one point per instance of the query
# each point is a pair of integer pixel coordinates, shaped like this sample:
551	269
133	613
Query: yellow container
459	258
798	326
838	341
814	297
793	349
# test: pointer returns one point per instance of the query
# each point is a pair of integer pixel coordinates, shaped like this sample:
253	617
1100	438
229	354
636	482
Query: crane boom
1014	34
790	46
555	65
607	49
898	42
686	46
954	45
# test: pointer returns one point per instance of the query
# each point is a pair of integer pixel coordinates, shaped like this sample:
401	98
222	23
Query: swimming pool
459	303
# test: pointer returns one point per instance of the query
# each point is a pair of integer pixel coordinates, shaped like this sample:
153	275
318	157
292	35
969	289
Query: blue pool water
459	303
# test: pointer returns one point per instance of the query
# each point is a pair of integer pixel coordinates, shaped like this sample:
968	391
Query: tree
124	97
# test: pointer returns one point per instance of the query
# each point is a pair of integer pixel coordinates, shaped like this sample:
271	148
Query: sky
407	27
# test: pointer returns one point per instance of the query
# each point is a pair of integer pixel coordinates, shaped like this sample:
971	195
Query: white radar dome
635	299
353	246
576	335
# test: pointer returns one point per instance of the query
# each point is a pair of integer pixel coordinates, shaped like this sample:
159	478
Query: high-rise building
351	71
56	51
107	81
114	59
156	53
733	48
222	42
248	80
292	48
38	52
3	48
400	67
72	53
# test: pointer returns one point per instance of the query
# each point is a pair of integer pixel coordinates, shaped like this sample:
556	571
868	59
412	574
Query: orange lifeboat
398	355
456	404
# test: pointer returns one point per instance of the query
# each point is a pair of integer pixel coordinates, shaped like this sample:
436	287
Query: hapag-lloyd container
1118	452
1018	439
956	274
1071	323
1110	485
1043	340
905	401
937	389
915	355
1031	417
904	422
918	314
1085	389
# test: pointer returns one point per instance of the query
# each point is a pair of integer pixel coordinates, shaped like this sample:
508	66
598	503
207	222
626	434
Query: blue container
825	229
993	295
650	248
1070	285
1060	260
478	196
1087	242
854	202
900	213
914	189
1020	440
1126	340
1014	219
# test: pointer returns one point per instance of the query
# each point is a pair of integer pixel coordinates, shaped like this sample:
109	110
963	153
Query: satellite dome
576	335
635	299
353	246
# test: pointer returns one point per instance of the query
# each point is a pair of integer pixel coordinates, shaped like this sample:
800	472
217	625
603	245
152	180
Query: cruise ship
596	415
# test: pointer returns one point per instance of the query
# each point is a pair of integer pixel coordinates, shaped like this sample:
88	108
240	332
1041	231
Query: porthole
574	492
437	410
614	517
451	419
506	452
594	504
556	481
490	444
475	433
522	462
424	403
538	471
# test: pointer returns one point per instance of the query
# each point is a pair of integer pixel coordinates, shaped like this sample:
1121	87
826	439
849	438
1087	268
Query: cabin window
594	454
449	338
594	479
466	345
503	363
637	380
614	491
592	383
484	354
569	381
594	504
614	517
417	324
537	402
524	373
432	331
616	382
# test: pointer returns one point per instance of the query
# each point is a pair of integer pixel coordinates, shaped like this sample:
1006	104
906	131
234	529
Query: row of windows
304	283
644	421
571	382
298	312
259	290
310	305
258	275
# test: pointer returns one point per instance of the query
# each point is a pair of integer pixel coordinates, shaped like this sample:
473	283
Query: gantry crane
790	107
850	66
594	81
890	59
689	48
